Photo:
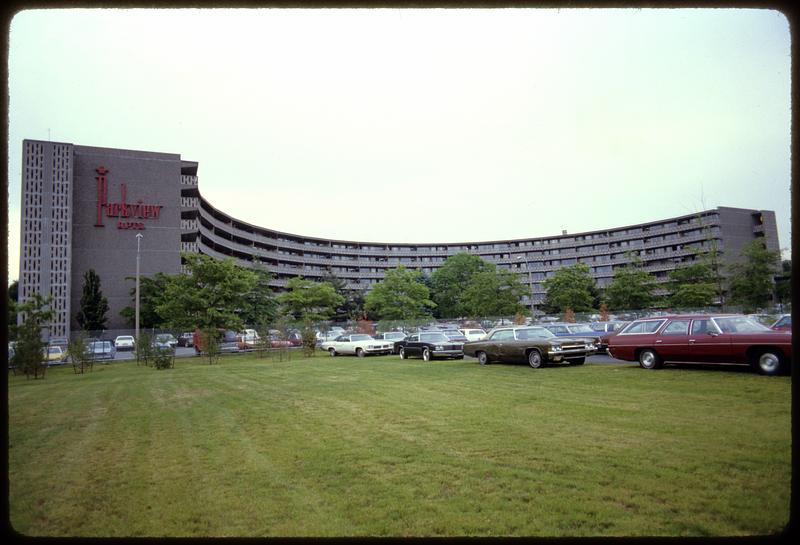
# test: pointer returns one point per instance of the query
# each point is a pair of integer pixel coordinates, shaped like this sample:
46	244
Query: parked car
535	345
606	330
328	336
455	335
429	345
163	339
186	339
101	350
392	337
359	344
125	342
55	355
725	338
607	327
227	341
473	334
570	330
249	338
784	323
295	338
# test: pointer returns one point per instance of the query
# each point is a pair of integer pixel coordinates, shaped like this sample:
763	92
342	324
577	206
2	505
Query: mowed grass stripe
383	446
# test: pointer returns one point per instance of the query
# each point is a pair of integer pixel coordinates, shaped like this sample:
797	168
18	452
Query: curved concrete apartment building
82	208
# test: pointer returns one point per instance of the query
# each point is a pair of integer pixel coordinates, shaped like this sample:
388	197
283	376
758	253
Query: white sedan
125	342
357	343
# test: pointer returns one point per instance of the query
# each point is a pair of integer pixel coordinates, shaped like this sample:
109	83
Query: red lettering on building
121	209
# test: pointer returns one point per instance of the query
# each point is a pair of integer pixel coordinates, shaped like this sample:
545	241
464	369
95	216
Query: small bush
163	358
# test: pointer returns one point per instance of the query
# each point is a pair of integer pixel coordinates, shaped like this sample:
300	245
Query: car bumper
447	353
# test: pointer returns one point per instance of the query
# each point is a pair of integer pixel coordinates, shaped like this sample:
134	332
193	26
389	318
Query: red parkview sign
121	209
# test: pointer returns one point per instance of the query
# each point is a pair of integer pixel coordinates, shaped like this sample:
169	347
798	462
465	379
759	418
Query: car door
672	343
412	346
504	345
706	343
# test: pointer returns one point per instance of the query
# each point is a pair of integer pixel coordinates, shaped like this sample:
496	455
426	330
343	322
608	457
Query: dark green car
532	344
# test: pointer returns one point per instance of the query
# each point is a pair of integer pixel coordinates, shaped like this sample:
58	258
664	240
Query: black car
186	339
429	345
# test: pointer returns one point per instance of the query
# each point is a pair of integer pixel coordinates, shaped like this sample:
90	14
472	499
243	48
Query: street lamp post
139	238
530	284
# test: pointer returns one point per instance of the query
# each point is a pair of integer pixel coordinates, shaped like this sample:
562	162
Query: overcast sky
393	125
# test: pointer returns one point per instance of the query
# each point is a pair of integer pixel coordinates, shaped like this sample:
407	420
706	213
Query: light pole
139	238
530	284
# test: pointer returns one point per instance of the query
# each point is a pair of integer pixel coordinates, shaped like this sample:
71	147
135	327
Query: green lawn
388	447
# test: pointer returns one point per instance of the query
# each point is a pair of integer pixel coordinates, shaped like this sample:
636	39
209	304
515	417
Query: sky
437	125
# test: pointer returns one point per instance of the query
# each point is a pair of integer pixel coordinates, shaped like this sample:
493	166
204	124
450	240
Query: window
678	327
503	335
702	327
646	326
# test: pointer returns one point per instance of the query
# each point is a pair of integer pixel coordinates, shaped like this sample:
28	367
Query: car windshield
534	333
739	324
124	338
433	337
54	350
163	337
580	328
360	338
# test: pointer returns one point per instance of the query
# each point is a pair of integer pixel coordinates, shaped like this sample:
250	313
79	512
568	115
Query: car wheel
535	359
578	361
402	354
483	359
767	362
332	352
359	352
426	354
648	359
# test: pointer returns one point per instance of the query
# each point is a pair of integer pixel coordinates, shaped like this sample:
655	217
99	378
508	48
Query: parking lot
182	352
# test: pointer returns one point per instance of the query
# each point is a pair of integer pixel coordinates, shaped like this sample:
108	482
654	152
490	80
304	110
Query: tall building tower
46	230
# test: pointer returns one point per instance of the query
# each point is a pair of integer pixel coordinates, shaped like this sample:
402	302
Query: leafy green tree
151	294
29	351
449	283
631	288
305	300
692	286
401	295
260	306
353	305
752	278
570	287
93	311
212	294
493	292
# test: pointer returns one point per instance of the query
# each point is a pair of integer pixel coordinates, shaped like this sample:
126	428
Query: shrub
163	358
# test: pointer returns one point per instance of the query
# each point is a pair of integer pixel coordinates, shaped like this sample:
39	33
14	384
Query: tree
449	282
309	301
783	283
151	294
570	287
260	306
752	278
692	286
631	288
93	312
353	305
29	351
211	295
399	296
492	292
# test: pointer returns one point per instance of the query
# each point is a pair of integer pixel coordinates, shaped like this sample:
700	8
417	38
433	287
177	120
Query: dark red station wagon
724	338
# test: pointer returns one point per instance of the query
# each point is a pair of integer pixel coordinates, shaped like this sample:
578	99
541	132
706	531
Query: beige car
55	355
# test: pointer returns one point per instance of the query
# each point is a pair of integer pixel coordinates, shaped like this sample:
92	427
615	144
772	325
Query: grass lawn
387	447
